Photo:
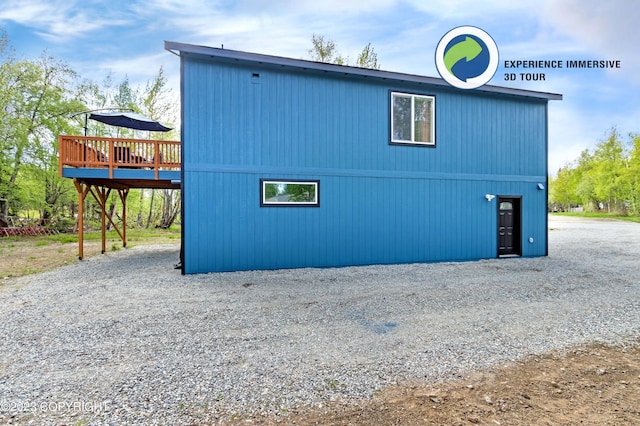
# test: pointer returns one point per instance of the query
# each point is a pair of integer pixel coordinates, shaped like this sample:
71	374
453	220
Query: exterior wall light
489	197
540	186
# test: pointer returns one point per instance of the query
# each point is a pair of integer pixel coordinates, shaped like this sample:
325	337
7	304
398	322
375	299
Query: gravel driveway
124	338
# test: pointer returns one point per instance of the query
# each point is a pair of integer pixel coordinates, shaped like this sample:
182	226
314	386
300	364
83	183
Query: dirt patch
591	386
30	255
27	256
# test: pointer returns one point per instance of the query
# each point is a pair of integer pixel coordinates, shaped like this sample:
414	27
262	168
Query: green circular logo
467	57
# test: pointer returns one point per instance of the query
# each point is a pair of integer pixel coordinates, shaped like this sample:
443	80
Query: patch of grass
601	215
67	238
25	255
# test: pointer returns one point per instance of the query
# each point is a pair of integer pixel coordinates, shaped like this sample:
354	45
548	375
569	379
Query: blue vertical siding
403	220
379	203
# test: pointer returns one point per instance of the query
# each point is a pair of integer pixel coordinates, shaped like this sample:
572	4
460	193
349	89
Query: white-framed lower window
413	119
289	193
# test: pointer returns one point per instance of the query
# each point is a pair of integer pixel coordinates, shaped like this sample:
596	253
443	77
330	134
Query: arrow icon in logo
471	52
469	49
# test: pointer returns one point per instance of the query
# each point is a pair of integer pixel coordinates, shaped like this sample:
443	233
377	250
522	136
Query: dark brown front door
509	226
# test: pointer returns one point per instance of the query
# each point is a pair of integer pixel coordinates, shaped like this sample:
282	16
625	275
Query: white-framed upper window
289	193
413	119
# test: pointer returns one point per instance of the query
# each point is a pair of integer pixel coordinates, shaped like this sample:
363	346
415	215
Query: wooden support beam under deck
101	195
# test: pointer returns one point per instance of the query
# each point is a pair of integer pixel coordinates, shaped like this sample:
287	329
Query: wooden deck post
123	197
103	220
82	194
103	195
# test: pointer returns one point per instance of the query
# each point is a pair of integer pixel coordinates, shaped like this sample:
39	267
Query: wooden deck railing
114	153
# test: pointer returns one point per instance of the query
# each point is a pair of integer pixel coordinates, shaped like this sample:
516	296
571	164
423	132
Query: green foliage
606	180
325	50
154	101
36	98
630	176
368	58
40	99
562	189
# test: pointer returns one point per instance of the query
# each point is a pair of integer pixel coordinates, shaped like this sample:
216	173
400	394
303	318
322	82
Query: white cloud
609	29
56	21
571	131
464	9
305	7
26	11
280	27
610	25
137	68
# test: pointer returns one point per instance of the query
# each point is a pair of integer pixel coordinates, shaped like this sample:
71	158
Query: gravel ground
125	339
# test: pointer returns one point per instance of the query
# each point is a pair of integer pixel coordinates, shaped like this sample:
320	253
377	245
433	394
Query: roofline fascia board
301	64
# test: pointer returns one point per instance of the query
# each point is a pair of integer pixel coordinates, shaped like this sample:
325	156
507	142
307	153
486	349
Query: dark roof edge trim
213	52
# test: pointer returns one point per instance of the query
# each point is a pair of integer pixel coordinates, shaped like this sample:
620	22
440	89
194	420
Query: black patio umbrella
130	120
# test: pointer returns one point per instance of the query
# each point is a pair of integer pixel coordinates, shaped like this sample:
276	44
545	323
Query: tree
368	58
562	189
37	100
325	50
608	165
585	188
607	179
154	100
170	207
629	178
36	97
157	102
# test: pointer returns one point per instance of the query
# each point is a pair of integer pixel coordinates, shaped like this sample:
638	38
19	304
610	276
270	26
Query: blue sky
125	38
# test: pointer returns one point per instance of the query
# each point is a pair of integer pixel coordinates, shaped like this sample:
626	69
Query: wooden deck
99	165
118	153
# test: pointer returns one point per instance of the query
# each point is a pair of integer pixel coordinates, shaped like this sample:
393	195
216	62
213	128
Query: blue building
289	163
